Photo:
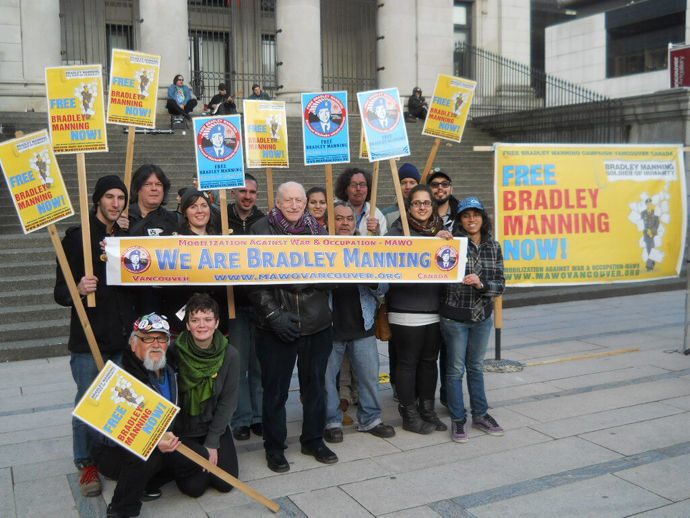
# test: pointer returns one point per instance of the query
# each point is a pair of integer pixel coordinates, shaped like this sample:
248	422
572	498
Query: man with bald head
293	324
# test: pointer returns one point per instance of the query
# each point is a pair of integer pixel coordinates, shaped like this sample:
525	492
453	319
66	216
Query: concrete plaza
600	437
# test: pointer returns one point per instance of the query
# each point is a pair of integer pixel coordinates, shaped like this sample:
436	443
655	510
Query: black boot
426	412
412	422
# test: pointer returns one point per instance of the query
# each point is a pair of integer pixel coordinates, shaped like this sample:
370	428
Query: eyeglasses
355	185
436	185
181	79
151	339
417	203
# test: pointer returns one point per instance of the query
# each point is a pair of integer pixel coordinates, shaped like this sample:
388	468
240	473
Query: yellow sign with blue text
126	410
76	109
265	133
34	180
587	214
133	87
449	108
271	259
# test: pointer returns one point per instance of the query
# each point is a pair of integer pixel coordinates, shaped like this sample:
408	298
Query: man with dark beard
442	188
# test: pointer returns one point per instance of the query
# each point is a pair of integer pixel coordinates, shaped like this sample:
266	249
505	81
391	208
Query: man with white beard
146	361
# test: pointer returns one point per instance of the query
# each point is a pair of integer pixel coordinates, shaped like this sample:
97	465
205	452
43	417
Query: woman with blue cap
466	320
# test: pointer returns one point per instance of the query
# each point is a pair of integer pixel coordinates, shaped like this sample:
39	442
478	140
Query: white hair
285	186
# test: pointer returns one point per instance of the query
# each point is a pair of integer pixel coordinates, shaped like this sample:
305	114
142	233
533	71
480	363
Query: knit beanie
407	170
104	184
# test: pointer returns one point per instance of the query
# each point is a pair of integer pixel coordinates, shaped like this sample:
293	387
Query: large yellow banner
76	109
449	108
275	259
133	88
34	180
125	410
265	133
585	214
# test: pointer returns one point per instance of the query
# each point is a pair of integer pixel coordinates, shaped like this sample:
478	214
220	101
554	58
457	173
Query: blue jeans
84	371
241	334
465	349
364	356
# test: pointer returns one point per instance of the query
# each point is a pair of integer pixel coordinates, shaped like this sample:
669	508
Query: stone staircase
32	325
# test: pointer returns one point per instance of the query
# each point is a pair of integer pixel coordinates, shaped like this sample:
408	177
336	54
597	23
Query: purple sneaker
487	424
457	431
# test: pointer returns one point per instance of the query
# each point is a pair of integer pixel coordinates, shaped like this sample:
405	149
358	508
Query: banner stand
269	187
374	191
85	225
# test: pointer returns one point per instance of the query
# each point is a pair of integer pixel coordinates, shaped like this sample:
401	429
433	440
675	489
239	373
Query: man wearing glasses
146	361
442	188
180	102
354	187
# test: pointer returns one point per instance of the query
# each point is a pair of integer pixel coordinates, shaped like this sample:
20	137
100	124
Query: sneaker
89	482
457	431
487	424
333	435
111	513
151	494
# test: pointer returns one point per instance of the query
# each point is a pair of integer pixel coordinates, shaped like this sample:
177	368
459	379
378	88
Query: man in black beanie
222	103
111	319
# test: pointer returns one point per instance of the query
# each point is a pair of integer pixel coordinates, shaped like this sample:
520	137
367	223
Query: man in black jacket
110	319
294	323
241	216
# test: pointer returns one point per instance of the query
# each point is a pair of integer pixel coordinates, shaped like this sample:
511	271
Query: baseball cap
152	323
470	203
435	173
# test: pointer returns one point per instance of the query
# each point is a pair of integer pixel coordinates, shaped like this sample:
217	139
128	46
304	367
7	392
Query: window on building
462	22
637	39
268	59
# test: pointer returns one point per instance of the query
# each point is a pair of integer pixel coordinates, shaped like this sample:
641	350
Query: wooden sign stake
74	293
399	196
129	162
269	187
374	191
225	230
430	160
85	224
329	199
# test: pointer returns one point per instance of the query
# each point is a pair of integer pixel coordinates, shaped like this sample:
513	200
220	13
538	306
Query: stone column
165	32
298	46
397	51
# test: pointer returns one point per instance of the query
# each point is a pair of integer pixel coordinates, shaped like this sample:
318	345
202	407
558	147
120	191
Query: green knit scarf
198	370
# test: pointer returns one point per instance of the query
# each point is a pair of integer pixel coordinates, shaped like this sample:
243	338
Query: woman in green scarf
209	373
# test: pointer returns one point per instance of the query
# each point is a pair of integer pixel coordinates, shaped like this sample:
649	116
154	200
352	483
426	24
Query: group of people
231	377
180	102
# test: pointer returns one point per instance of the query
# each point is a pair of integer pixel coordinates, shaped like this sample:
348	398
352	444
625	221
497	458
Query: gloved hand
284	324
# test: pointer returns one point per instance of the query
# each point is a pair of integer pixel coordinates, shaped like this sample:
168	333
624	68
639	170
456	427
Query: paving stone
603	497
604	420
10	393
31	420
46	497
561	349
602	400
420	487
44	469
7	508
666	478
479	444
415	512
38	401
331	502
255	510
678	510
647	435
37	434
28	453
626	373
27	390
679	402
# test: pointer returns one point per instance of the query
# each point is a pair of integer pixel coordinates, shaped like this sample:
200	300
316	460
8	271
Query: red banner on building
679	65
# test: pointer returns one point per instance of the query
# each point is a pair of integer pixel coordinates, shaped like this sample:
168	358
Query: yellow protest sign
76	109
271	259
125	410
449	108
584	214
133	88
265	133
34	180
